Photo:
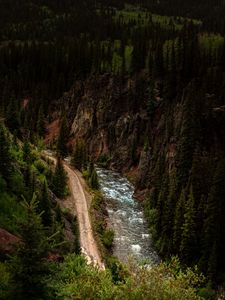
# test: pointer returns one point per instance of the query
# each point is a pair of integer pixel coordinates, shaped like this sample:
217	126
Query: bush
107	238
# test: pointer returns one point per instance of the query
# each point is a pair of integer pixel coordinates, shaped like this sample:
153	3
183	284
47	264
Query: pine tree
79	158
162	198
27	152
178	221
214	223
59	180
93	180
58	214
168	216
189	234
29	264
41	129
187	144
44	205
63	138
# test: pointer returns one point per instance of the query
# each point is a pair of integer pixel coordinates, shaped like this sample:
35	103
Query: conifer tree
79	158
187	144
27	152
168	216
41	129
63	138
44	205
178	221
29	264
59	180
162	198
189	234
58	214
93	180
215	216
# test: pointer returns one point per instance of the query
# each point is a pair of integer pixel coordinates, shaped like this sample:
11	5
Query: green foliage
117	269
59	181
214	241
10	211
93	180
17	185
189	231
179	220
75	280
107	238
80	157
28	263
44	205
26	152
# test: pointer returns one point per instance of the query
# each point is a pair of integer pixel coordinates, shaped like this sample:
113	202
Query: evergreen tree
162	198
178	221
58	214
29	262
27	152
63	138
187	144
44	205
59	180
93	180
214	238
41	129
79	158
168	216
189	231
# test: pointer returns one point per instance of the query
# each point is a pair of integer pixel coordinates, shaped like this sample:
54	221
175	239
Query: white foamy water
126	218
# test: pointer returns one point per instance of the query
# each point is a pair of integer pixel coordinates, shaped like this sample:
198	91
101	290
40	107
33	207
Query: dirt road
77	202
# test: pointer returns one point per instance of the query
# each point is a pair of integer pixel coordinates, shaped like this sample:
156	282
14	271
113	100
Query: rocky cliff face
111	115
106	113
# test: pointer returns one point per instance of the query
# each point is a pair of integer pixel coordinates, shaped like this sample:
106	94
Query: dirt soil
78	203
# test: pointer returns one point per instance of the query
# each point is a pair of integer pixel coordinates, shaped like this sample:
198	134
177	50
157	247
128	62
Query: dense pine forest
137	86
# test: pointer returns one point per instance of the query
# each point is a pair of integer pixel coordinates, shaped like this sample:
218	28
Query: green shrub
10	211
107	238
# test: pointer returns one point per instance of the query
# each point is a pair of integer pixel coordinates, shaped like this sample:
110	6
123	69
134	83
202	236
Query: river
126	218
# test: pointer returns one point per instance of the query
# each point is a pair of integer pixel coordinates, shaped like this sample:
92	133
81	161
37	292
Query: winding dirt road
77	202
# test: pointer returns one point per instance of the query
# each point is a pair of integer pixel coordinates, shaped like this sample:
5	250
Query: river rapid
126	218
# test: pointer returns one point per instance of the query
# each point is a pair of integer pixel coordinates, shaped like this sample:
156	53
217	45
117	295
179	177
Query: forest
149	77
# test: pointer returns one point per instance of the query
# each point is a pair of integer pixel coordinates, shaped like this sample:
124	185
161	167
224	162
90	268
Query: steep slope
170	148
